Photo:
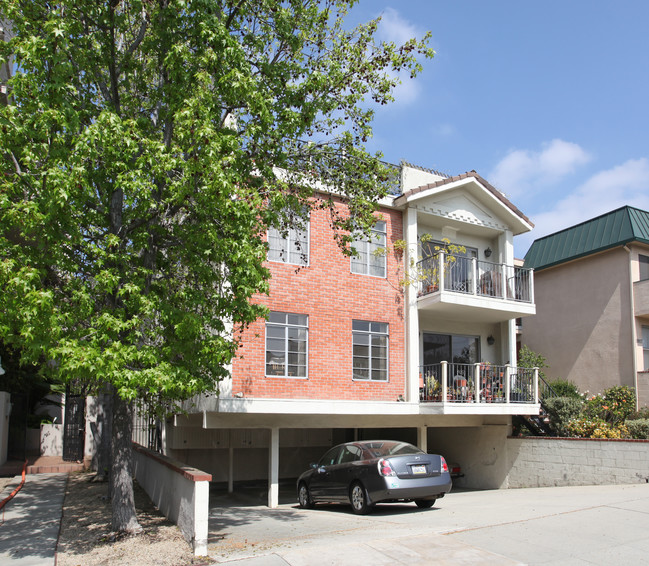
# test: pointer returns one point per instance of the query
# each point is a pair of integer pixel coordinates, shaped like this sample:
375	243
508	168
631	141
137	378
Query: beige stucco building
592	296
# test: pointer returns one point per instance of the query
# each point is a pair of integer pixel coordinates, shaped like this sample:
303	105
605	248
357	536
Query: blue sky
548	101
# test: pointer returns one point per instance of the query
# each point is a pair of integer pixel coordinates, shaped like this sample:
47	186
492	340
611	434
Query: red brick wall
331	296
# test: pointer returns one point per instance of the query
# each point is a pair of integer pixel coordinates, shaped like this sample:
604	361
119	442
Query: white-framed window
287	344
643	262
291	244
645	347
371	258
370	345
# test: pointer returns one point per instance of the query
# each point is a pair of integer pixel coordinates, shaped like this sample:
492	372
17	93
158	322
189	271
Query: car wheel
304	497
358	499
425	503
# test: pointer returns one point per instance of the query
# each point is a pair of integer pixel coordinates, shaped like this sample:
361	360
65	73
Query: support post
422	438
230	469
273	468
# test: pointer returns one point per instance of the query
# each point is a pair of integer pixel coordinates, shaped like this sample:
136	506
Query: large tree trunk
102	432
123	501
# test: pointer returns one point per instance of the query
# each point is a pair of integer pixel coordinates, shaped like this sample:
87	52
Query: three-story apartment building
412	338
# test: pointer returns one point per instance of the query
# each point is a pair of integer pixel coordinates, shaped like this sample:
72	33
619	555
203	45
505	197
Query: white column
273	468
412	314
422	438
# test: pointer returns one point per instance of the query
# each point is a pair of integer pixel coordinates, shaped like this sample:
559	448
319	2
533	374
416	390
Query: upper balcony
473	290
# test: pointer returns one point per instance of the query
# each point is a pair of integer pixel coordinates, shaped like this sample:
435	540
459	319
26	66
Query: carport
239	447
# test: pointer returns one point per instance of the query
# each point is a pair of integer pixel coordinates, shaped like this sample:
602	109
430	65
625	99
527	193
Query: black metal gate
74	430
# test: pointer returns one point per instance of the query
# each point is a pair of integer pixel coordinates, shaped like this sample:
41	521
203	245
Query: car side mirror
321	470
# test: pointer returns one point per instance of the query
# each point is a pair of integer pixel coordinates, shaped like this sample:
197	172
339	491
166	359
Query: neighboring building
349	352
592	295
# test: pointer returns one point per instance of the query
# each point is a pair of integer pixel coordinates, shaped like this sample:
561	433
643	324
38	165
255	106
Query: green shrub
565	388
613	406
530	359
638	428
561	410
642	413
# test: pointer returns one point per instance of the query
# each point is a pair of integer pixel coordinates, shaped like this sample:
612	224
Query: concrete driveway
607	525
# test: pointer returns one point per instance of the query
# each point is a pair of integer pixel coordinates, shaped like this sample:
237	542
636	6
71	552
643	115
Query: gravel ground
86	539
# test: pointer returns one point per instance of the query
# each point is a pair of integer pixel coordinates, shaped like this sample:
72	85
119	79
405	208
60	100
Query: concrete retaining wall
548	462
179	491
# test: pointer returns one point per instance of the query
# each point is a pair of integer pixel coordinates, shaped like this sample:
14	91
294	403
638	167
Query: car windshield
380	449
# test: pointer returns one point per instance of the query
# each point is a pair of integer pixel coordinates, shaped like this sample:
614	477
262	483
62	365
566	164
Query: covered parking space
243	447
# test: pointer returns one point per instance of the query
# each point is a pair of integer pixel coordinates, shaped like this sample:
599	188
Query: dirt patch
86	539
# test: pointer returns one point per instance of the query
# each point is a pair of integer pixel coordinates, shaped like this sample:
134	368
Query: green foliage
528	358
613	406
565	388
561	410
638	428
641	413
146	148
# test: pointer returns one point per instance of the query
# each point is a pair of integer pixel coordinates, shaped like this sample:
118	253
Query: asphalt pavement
593	525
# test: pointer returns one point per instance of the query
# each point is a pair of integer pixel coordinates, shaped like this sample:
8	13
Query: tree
146	147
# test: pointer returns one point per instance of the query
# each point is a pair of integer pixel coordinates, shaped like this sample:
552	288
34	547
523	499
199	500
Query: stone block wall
549	462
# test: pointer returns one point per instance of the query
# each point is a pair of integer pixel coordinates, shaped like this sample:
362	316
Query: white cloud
523	170
624	184
394	28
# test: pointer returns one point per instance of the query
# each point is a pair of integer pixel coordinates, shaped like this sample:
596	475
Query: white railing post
536	386
441	270
503	289
474	278
508	385
530	280
444	378
476	383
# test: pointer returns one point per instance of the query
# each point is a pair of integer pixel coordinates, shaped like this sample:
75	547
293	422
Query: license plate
419	469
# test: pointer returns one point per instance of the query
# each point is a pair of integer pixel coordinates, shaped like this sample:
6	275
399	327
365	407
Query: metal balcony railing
449	382
471	276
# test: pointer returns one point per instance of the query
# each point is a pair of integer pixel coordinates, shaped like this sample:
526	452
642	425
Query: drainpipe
634	334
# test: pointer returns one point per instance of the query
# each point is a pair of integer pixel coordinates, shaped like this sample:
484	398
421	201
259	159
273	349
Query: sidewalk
29	523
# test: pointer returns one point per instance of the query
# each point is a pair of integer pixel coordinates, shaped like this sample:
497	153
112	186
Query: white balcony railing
448	382
460	274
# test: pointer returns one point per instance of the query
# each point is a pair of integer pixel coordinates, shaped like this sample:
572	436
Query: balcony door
452	348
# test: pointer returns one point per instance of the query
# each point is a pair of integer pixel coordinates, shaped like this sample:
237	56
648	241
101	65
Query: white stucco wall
180	493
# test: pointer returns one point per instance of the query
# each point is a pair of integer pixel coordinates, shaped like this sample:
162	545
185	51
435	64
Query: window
371	259
290	245
286	344
370	350
645	346
451	348
644	267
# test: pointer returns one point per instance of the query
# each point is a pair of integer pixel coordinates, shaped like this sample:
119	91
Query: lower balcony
480	388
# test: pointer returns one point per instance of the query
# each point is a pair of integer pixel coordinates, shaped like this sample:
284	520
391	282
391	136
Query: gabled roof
610	230
471	174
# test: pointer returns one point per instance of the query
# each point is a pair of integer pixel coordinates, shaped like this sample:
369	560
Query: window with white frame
370	341
290	244
643	261
645	347
287	341
371	258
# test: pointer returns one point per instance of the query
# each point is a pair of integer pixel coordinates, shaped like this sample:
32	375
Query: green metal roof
610	230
